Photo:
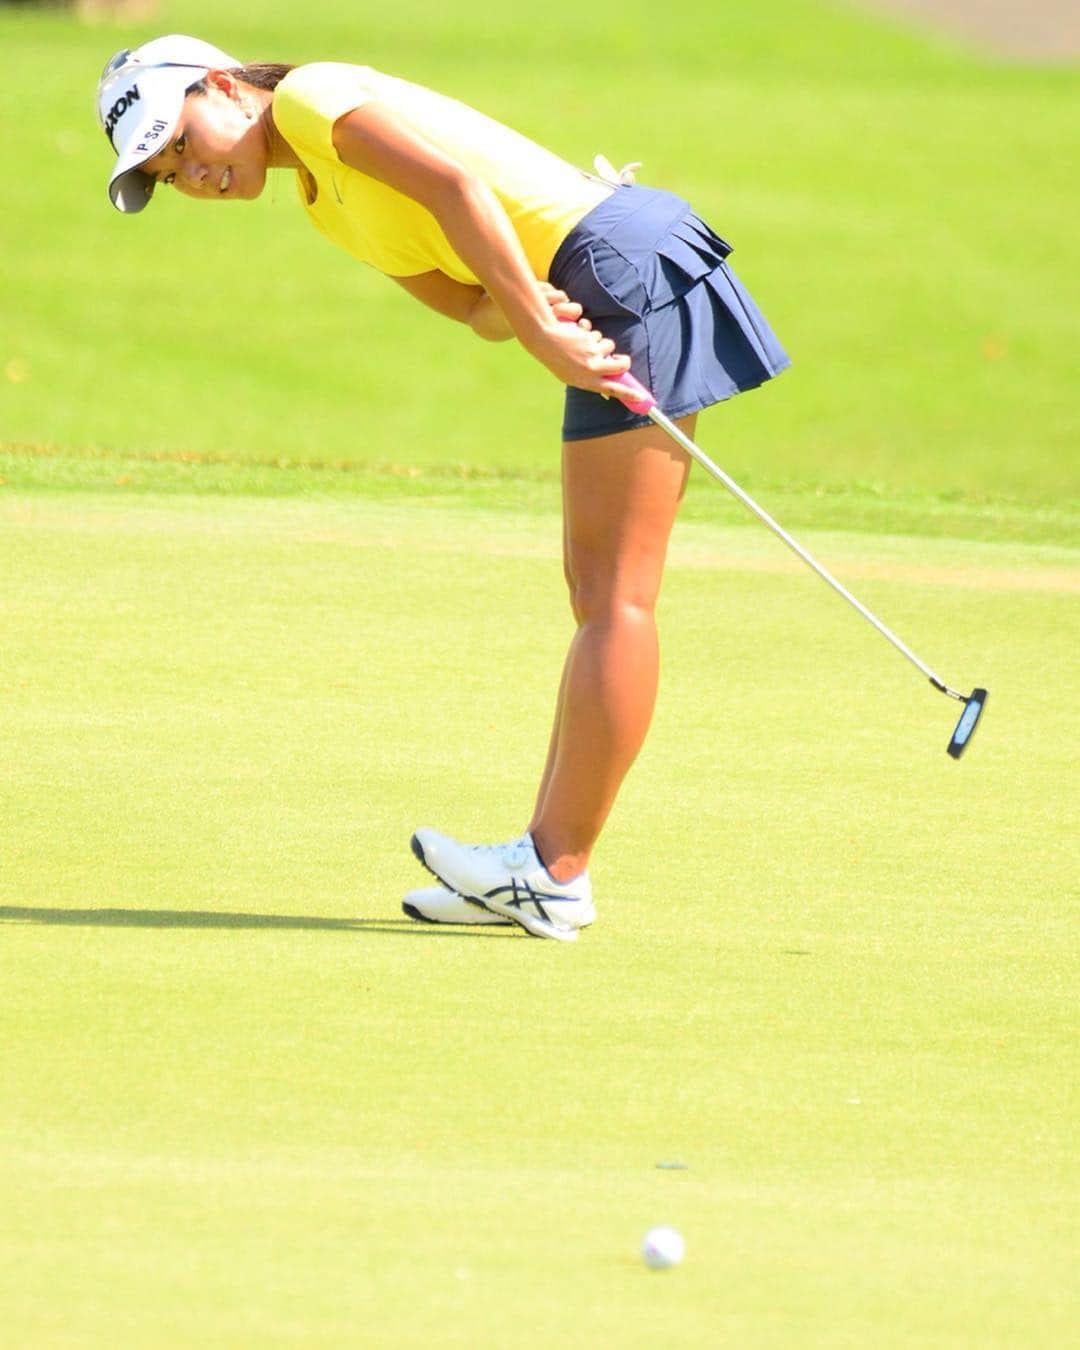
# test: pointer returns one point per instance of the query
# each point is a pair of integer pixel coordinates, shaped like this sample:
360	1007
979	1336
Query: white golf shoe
511	881
436	904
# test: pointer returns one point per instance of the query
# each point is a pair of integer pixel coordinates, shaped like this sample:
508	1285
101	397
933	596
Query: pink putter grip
643	401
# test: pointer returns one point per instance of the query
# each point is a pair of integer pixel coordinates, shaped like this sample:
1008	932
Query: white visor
140	97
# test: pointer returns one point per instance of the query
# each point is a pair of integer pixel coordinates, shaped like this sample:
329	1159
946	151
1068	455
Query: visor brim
130	189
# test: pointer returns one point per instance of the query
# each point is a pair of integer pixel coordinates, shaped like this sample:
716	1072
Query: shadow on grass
197	918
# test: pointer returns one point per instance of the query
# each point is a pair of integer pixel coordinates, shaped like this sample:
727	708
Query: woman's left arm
373	140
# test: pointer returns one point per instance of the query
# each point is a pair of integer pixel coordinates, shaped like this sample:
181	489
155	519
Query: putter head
969	720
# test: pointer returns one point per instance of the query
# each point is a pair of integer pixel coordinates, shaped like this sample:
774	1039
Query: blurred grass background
903	209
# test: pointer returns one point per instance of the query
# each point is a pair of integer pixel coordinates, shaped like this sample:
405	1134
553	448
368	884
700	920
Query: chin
252	190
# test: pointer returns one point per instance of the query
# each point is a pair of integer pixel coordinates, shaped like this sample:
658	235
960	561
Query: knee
605	582
605	599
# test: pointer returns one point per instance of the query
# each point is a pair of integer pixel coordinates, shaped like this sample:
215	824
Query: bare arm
478	229
465	304
473	305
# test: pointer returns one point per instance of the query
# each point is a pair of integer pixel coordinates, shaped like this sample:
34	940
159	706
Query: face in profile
219	149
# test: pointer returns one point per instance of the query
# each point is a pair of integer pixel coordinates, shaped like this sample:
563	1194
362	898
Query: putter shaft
666	424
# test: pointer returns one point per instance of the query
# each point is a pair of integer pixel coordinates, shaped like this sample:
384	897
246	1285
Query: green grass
245	1103
265	610
901	209
798	505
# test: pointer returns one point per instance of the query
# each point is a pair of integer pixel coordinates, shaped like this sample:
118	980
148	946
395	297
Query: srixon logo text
119	108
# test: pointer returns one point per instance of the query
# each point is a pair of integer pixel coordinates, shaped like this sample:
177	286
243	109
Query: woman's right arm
465	304
472	304
374	140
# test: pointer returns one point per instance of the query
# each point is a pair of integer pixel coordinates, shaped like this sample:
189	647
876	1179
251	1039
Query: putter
974	703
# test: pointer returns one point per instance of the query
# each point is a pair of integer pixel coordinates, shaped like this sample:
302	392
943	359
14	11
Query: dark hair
260	74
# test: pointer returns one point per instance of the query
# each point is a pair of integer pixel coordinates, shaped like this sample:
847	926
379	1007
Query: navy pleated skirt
653	277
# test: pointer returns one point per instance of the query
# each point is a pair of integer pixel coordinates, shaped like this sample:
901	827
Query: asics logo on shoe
521	893
509	879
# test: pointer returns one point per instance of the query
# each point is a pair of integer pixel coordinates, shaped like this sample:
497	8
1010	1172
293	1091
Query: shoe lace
514	852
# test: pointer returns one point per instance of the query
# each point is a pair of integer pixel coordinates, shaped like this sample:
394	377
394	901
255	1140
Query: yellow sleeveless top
543	195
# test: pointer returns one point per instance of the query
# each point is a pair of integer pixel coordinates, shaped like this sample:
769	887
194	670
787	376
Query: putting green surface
245	1102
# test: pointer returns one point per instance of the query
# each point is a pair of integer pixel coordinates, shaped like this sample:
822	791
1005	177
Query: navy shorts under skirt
652	276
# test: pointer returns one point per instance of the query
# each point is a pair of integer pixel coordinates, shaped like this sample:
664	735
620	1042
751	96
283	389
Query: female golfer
593	277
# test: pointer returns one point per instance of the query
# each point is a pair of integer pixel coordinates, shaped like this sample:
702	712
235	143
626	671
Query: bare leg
553	744
620	497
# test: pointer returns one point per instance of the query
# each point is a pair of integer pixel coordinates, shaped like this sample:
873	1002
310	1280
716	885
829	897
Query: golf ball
661	1248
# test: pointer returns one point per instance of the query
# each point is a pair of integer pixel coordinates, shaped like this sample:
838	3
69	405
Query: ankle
562	864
